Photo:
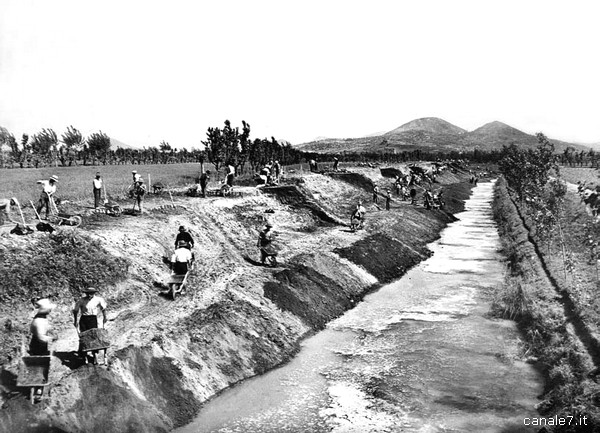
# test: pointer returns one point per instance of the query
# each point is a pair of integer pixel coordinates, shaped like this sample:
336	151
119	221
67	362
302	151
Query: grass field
583	174
75	183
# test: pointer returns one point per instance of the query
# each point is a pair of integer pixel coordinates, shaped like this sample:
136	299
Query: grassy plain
75	183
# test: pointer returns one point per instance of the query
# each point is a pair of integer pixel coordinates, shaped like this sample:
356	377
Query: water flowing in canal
418	355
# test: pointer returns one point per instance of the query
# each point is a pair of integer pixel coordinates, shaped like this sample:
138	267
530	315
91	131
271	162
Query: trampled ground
237	318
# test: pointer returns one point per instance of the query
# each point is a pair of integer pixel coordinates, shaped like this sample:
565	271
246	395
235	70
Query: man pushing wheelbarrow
91	338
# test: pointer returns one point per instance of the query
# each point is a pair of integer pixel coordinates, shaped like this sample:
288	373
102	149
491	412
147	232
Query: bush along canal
418	355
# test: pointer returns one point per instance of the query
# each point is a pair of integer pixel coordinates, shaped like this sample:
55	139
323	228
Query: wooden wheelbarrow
94	340
33	374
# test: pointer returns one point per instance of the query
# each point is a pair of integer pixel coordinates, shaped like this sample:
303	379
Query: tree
44	146
98	144
215	147
73	141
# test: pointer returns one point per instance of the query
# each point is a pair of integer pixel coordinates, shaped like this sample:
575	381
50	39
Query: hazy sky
146	71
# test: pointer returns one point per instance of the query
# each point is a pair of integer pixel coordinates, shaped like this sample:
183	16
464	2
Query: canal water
418	355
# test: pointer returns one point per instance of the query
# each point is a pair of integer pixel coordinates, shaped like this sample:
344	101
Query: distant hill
428	124
114	144
434	134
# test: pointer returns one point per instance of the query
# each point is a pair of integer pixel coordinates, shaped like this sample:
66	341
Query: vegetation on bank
529	298
552	282
57	266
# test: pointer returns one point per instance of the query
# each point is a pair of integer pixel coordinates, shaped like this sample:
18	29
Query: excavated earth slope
237	319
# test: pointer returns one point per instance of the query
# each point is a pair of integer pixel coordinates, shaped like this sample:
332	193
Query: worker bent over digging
268	253
87	308
48	191
5	211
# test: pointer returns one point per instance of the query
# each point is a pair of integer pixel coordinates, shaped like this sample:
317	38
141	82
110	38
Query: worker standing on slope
184	236
85	312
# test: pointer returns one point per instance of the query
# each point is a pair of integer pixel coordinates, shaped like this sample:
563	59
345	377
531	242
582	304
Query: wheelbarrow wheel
75	221
117	211
174	290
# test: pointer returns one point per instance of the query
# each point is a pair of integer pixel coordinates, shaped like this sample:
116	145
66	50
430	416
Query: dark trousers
85	324
97	198
203	188
38	348
43	203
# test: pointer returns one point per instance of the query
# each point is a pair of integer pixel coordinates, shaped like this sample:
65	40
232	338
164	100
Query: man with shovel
97	191
49	189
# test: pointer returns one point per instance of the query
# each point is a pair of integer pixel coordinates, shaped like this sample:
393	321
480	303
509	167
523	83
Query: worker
48	191
336	162
136	176
184	236
204	178
388	199
138	193
277	171
85	312
265	240
230	175
358	214
375	193
181	258
5	211
40	328
40	335
97	182
428	199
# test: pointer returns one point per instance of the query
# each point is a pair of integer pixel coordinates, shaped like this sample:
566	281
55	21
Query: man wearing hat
184	236
139	192
48	191
97	182
40	328
265	238
40	334
87	306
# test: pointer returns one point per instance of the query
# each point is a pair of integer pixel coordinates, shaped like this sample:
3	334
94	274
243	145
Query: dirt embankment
237	319
556	337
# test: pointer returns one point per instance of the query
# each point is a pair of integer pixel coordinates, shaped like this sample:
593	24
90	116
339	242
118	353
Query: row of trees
533	176
230	146
45	148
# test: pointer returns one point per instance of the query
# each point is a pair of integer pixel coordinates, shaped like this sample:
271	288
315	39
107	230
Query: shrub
59	264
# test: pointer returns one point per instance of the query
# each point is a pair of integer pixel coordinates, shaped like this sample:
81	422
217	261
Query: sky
148	71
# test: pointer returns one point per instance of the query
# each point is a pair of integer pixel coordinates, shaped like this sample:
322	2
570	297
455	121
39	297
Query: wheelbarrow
33	374
59	218
94	340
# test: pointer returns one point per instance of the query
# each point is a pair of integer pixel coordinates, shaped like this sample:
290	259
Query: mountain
496	134
432	134
114	144
433	125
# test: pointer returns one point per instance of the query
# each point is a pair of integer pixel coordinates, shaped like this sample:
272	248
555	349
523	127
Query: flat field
75	183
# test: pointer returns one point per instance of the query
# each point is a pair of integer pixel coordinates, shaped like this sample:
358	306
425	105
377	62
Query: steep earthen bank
552	329
238	319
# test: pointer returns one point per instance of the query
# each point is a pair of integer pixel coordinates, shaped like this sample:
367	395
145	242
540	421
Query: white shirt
97	183
39	329
181	255
137	177
89	306
48	189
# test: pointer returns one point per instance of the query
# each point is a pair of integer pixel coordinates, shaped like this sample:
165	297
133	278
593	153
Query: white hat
54	178
44	306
